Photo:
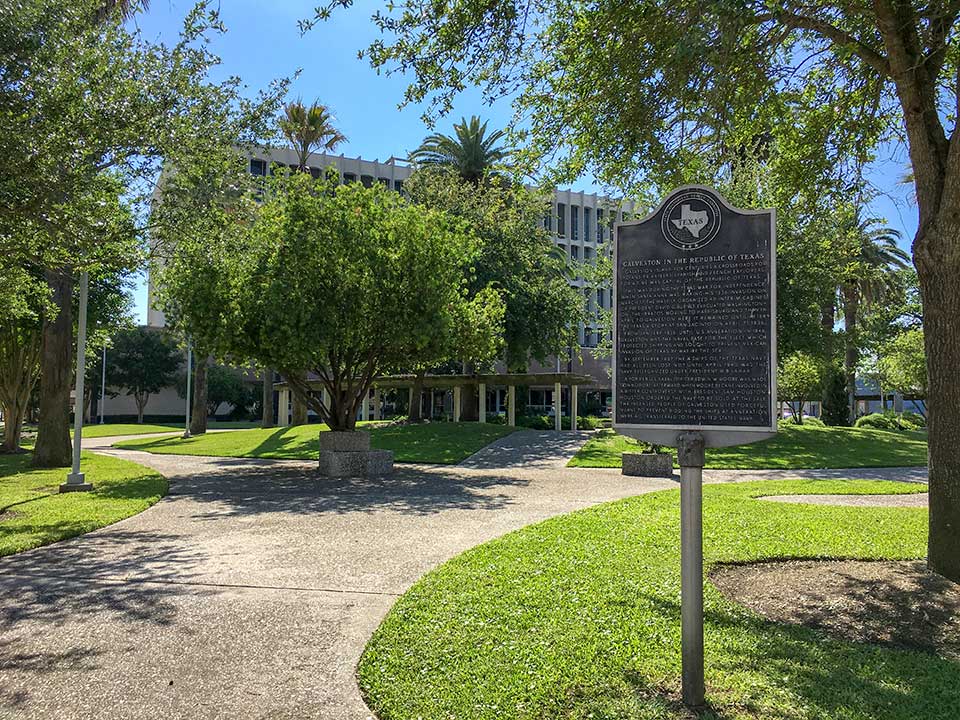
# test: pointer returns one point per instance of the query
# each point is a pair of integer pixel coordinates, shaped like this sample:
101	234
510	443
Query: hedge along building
580	224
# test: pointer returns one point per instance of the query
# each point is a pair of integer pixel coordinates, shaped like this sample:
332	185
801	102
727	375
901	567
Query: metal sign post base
691	457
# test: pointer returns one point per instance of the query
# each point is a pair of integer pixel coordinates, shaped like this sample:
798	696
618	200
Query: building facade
580	223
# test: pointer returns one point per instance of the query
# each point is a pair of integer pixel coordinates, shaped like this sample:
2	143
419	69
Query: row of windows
598	231
259	167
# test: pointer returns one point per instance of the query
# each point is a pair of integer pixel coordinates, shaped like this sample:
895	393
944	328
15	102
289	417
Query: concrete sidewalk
252	588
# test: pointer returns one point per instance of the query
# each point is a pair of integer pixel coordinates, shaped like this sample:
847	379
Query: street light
75	480
103	382
186	431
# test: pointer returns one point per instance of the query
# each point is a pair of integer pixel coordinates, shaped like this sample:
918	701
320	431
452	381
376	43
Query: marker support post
691	458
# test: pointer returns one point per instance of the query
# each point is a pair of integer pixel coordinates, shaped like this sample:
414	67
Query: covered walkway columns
482	414
283	408
557	407
457	402
573	407
512	405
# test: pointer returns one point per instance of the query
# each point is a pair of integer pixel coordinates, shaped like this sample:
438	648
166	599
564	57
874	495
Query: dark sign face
694	344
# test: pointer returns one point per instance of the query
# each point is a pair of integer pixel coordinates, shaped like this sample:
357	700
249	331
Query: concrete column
483	403
433	404
557	407
457	402
365	407
410	403
512	406
283	408
376	403
573	407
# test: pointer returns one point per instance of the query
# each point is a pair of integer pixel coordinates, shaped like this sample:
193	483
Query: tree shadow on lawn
238	489
826	677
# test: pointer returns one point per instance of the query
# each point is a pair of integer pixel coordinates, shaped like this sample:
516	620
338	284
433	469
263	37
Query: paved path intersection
251	589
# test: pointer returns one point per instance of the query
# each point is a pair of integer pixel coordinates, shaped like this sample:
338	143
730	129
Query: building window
547	225
586	223
587	253
315	173
599	225
398	185
349	178
258	167
561	219
367	180
574	222
385	182
574	252
600	294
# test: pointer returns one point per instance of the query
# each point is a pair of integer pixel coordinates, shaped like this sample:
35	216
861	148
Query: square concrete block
648	464
363	463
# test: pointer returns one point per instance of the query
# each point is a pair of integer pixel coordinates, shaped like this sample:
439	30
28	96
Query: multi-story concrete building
580	222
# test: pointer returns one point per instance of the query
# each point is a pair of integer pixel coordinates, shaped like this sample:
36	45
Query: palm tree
128	8
868	278
309	129
472	154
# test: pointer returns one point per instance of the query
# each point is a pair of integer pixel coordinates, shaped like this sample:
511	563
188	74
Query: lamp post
75	480
186	430
103	381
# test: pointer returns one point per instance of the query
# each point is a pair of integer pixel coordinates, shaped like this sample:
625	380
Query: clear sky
263	42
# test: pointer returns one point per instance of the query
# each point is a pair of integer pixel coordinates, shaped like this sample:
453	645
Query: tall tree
643	91
309	129
79	85
143	361
346	282
470	152
868	277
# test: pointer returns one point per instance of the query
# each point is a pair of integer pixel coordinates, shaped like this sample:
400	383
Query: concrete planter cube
648	464
348	454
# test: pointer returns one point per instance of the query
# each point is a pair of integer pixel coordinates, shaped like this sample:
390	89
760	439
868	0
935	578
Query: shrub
807	422
889	420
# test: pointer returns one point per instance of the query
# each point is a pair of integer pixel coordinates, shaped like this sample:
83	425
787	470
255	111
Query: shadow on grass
829	677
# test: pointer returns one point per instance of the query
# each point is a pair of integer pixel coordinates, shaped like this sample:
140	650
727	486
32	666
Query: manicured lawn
444	443
792	448
95	430
579	617
33	513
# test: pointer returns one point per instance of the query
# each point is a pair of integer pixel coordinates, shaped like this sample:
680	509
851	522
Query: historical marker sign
695	321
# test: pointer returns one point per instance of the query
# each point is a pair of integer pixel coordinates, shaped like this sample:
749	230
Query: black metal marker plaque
694	321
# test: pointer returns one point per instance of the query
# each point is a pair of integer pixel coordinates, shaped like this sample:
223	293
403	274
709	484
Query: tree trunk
266	420
298	409
53	447
851	349
12	428
469	401
416	406
198	413
141	399
937	258
828	314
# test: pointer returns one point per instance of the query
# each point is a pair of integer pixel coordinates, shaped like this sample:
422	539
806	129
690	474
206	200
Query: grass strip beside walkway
579	617
799	447
34	513
442	443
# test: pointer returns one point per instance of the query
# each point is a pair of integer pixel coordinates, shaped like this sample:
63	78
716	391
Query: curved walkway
252	588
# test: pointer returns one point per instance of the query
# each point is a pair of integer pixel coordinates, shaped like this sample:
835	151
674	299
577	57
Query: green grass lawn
95	430
444	443
792	448
33	513
578	617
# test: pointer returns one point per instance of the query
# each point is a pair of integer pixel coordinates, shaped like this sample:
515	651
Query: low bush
889	420
809	421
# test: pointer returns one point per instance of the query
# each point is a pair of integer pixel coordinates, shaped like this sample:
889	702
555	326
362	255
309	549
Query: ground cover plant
794	447
95	430
579	617
444	443
33	513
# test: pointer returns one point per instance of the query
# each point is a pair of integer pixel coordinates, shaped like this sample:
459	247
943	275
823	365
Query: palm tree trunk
851	347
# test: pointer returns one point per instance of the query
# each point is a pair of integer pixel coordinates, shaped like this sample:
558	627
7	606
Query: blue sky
263	42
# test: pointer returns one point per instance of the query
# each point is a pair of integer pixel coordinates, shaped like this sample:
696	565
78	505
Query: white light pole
75	480
103	382
186	430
